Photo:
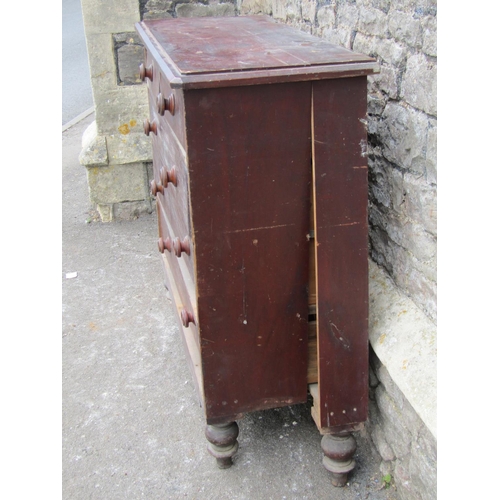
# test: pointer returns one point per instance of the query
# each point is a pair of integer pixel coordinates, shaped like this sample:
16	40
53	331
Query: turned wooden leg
223	443
338	451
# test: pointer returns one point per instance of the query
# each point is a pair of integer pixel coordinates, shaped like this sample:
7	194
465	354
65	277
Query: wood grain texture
341	239
210	52
249	149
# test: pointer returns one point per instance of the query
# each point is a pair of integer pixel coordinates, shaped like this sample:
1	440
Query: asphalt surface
76	88
132	424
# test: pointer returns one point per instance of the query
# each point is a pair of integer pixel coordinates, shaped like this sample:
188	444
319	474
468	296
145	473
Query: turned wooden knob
150	127
146	72
167	176
181	246
165	103
186	318
165	244
156	187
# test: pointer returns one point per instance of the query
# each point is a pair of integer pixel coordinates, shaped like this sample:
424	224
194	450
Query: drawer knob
155	188
145	72
150	127
186	318
182	246
165	103
165	244
167	176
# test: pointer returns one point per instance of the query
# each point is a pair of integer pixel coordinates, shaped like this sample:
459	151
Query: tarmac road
76	88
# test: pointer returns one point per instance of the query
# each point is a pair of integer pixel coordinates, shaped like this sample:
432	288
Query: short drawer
150	73
170	107
171	181
179	249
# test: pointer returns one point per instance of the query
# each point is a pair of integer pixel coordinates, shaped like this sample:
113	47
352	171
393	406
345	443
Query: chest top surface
223	49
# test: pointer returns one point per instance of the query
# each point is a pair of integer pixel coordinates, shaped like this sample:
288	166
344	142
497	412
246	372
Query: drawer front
168	103
170	106
152	73
172	192
180	268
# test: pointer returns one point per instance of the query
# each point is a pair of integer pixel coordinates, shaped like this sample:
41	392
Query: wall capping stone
404	339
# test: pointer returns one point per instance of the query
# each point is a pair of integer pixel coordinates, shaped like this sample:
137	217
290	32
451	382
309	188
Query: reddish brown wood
205	45
150	127
165	104
223	443
182	246
239	150
156	188
165	244
186	318
167	176
249	175
338	456
145	72
341	238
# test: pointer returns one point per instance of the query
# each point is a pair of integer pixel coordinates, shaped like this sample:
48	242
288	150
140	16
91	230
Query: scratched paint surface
249	167
205	45
341	250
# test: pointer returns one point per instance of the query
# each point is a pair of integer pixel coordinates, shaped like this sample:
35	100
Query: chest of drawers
260	180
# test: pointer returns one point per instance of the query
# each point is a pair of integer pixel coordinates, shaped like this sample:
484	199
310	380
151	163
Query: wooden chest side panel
341	237
249	151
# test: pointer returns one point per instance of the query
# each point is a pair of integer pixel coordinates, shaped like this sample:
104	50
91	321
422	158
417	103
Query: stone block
386	184
405	28
386	80
131	210
94	150
384	50
326	18
129	147
396	435
308	9
402	478
121	109
390	51
416	278
101	63
404	233
202	10
347	15
249	7
429	27
111	16
117	183
279	9
421	202
339	36
404	340
372	22
423	465
383	5
419	84
403	135
431	154
375	102
129	57
383	448
158	9
130	37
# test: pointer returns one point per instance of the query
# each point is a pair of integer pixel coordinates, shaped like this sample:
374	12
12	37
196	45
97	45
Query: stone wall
402	131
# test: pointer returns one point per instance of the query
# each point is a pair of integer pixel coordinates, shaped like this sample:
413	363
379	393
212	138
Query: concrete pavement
132	425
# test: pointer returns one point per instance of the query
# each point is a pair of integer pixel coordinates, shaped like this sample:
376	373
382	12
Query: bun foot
338	451
222	443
